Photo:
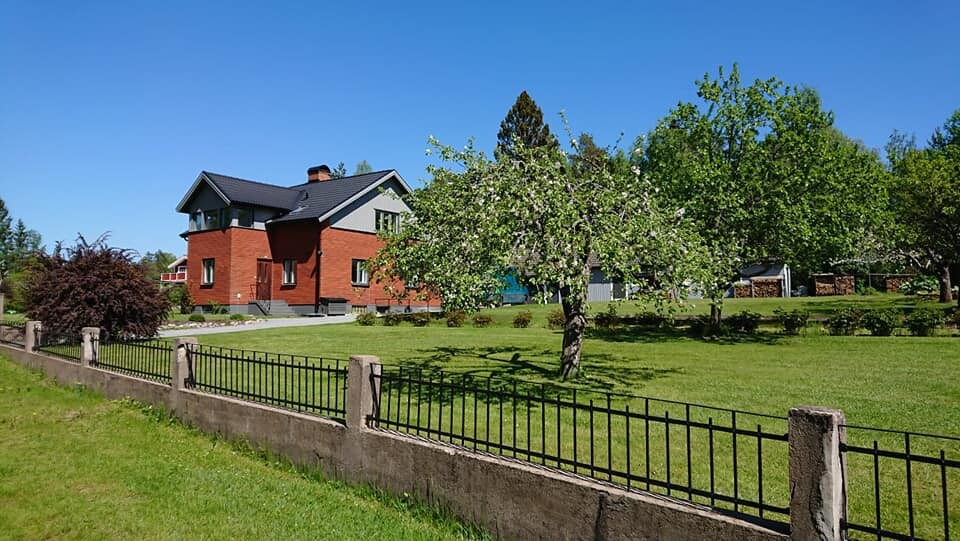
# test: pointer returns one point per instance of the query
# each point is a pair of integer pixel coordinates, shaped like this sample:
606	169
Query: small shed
763	280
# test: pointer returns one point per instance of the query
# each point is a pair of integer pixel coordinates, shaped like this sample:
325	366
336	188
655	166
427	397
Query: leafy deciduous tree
764	175
93	284
531	212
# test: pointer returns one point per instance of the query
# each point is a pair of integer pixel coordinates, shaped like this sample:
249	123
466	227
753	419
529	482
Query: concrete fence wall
512	500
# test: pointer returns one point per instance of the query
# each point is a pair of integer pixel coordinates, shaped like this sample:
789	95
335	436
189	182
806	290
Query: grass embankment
75	466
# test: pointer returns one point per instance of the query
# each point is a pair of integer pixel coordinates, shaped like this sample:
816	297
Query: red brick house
265	249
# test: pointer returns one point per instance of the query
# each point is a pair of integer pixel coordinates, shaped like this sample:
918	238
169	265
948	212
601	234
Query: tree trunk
713	328
572	334
946	290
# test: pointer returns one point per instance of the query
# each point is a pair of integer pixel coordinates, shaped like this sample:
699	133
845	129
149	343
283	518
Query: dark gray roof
318	198
762	270
251	192
310	200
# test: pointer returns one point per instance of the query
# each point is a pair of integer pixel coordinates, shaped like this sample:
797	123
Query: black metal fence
297	382
65	346
901	485
13	333
147	358
729	460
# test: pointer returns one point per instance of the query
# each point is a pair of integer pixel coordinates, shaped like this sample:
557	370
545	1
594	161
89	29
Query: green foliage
523	125
762	173
216	307
924	321
522	320
608	319
482	320
881	321
420	319
792	321
197	318
180	297
237	317
367	319
339	171
363	167
869	290
844	322
94	285
456	318
556	319
926	192
746	322
392	319
921	283
536	215
157	263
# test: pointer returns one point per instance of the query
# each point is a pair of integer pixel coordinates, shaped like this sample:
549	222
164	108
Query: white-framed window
358	274
387	222
208	267
289	272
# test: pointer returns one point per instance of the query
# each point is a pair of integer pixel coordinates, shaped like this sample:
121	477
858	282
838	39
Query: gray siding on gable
361	214
204	199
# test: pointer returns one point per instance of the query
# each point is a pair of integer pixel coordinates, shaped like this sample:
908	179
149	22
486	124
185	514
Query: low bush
746	322
367	319
456	319
217	308
881	321
953	318
844	322
556	319
481	320
237	317
869	291
649	318
392	319
420	319
523	319
197	318
608	319
793	321
923	321
920	283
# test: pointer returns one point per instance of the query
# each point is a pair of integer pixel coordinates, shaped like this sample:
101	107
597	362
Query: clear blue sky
108	111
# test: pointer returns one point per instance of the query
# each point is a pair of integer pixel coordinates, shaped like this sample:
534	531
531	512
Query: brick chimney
318	173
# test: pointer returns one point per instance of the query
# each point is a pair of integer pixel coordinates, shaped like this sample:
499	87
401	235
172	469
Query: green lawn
75	466
897	382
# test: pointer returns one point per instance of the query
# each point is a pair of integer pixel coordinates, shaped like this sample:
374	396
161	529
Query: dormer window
244	217
387	222
211	219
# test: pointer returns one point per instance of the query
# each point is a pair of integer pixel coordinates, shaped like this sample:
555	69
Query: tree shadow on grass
600	372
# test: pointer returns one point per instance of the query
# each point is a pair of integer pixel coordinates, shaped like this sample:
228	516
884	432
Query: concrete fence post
818	489
30	335
89	349
363	390
179	369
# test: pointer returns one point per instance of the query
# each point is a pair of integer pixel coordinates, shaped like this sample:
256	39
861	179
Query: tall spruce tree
524	124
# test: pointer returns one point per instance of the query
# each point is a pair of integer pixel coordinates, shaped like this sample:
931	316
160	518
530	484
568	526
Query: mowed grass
900	382
75	466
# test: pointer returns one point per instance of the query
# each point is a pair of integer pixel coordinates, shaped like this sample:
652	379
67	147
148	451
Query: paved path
265	324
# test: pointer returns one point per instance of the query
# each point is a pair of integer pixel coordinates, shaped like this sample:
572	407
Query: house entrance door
263	280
